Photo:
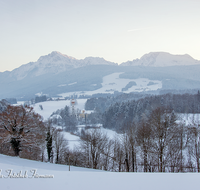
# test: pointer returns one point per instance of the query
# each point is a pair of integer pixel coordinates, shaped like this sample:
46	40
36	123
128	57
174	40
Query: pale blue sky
117	30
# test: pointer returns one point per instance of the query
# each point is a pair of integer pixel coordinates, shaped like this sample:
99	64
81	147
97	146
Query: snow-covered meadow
13	176
112	83
51	106
189	119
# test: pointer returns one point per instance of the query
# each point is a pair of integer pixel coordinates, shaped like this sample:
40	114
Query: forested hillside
119	114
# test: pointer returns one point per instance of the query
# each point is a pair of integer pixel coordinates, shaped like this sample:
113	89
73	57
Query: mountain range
162	59
56	73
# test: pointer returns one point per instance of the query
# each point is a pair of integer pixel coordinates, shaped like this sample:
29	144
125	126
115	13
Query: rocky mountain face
162	59
55	63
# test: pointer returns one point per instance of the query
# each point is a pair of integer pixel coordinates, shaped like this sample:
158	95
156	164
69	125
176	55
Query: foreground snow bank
88	179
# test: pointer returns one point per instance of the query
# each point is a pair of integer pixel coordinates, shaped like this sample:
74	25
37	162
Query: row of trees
156	144
101	104
120	113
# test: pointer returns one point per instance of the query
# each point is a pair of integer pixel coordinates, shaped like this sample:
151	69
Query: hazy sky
117	30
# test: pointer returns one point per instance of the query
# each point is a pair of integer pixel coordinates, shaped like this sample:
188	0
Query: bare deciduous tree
194	131
93	144
144	139
60	146
22	128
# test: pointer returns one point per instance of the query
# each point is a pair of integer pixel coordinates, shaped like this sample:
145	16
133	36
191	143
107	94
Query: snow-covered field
113	83
58	177
73	140
51	106
189	119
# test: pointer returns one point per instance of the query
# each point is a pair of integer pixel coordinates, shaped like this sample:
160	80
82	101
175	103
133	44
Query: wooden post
69	162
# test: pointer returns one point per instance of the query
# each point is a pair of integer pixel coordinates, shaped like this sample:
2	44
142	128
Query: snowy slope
51	106
162	59
189	119
74	140
112	83
87	179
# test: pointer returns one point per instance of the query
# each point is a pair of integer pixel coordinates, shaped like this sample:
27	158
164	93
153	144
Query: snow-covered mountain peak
162	59
96	61
55	57
54	63
57	53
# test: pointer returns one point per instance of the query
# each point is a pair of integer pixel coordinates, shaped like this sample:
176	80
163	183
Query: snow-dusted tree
60	145
132	145
118	155
49	145
22	128
93	144
126	152
194	133
49	139
163	126
144	140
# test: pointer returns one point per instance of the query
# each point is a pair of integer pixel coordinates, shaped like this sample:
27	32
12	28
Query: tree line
158	143
152	138
117	115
